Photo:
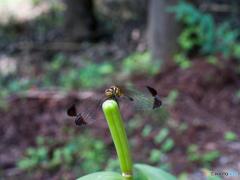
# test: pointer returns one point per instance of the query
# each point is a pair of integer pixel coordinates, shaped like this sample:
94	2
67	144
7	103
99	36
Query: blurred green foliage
112	165
44	156
172	96
167	145
213	60
238	94
93	75
155	156
140	64
210	156
205	159
62	72
230	136
182	61
191	149
166	166
183	127
183	176
202	31
134	123
163	133
146	130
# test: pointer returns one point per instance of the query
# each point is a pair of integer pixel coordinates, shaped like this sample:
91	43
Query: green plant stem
115	123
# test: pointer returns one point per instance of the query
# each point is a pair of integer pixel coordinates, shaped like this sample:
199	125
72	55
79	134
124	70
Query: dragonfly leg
115	99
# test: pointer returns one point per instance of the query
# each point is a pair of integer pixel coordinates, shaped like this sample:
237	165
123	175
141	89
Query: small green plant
186	40
112	165
201	31
155	156
92	75
238	94
36	157
183	176
58	62
140	64
210	156
134	123
183	127
213	60
166	166
146	130
205	159
167	145
230	136
45	157
163	133
193	155
193	148
182	61
172	96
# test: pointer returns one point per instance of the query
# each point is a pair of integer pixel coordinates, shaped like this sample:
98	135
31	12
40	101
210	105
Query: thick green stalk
115	123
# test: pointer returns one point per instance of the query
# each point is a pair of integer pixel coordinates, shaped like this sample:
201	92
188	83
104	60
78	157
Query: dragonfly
87	110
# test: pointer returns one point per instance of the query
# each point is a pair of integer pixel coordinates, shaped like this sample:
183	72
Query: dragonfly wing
140	97
90	115
87	110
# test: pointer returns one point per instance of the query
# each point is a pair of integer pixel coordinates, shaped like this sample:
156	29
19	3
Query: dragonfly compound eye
108	92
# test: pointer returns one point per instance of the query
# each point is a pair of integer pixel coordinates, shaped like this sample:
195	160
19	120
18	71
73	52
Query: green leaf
238	93
39	140
161	135
191	149
183	176
106	68
153	173
146	130
230	136
193	157
185	64
183	127
211	156
168	145
212	60
102	176
155	156
172	96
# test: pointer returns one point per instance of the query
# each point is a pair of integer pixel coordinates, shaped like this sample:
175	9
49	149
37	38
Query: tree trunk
80	19
163	30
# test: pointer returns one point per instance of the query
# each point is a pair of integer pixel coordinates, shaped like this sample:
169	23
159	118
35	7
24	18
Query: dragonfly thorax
113	91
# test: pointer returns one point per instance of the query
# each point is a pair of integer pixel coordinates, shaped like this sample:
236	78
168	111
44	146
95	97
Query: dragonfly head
110	92
113	91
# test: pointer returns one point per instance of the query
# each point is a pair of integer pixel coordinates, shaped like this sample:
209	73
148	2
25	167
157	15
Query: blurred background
55	52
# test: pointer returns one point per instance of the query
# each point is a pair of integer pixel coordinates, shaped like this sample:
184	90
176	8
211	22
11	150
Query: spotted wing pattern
87	110
140	97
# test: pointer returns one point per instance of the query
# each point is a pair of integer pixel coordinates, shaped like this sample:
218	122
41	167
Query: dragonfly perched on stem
135	97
